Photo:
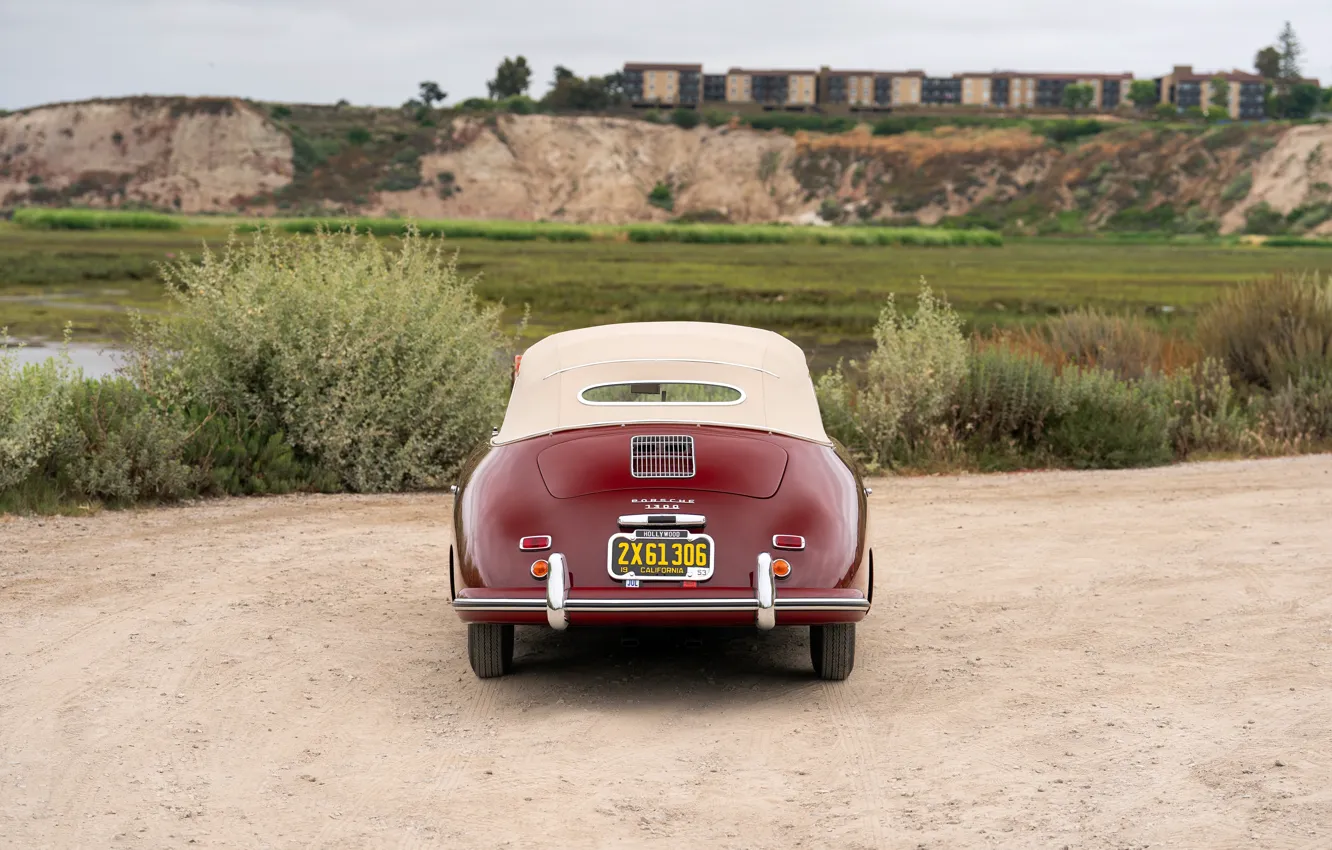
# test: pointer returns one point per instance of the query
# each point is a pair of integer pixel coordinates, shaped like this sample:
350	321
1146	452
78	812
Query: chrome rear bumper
764	601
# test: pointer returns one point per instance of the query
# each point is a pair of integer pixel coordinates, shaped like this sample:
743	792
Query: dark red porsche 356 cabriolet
671	473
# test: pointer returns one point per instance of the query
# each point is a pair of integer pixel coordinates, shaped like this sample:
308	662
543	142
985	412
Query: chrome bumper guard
765	603
765	593
557	594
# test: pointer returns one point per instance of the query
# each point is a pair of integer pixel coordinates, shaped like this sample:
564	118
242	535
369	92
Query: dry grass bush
1205	415
1271	332
1090	338
381	368
1298	416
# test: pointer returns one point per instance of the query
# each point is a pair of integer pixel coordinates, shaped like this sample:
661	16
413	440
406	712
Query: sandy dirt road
1102	660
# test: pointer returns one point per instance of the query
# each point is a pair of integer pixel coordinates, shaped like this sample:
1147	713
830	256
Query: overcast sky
376	51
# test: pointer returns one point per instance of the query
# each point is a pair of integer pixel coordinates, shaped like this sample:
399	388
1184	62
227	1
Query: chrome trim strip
719	604
660	360
645	521
823	604
691	423
556	594
765	593
741	604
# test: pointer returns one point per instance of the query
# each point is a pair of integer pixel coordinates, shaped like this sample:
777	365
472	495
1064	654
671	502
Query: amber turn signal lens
781	568
540	569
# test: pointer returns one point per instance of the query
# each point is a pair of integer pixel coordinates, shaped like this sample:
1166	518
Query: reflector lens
540	569
781	568
788	541
535	543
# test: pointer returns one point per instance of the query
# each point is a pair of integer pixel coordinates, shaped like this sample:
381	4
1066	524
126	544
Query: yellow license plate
661	554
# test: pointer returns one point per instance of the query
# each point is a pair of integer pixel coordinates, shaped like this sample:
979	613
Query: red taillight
788	541
535	543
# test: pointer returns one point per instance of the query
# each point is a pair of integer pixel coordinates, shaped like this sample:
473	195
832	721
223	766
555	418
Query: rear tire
832	648
490	649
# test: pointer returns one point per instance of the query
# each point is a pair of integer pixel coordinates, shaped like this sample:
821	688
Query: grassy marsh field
826	296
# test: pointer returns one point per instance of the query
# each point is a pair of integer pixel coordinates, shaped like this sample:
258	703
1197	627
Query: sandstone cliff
194	155
224	155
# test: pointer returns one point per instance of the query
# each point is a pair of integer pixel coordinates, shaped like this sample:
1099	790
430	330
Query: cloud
376	53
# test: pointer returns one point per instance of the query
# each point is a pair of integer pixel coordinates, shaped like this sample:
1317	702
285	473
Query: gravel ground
1090	660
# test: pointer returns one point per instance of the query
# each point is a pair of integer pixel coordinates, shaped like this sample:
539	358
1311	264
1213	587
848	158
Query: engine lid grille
662	456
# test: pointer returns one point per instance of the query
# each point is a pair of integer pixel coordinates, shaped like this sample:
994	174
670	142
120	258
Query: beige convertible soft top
769	370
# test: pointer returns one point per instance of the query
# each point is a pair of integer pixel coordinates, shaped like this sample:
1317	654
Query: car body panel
575	485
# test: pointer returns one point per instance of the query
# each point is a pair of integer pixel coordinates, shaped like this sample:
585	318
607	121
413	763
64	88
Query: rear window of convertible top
661	392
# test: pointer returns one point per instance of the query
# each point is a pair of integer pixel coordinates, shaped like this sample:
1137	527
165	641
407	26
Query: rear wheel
490	649
832	648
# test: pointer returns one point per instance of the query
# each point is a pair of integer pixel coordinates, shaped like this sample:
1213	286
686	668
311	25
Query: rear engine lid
598	463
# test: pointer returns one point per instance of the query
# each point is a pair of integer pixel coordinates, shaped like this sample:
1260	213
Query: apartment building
773	89
1015	89
672	85
868	89
1244	95
648	84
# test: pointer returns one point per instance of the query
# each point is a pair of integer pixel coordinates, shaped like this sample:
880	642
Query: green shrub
40	219
708	233
1203	410
1296	242
1238	189
1306	217
685	119
65	439
716	118
399	180
280	112
380	368
519	104
230	459
662	196
33	404
790	123
120	447
837	407
358	136
1069	130
1008	399
1136	219
1270	331
1108	424
1263	220
910	378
